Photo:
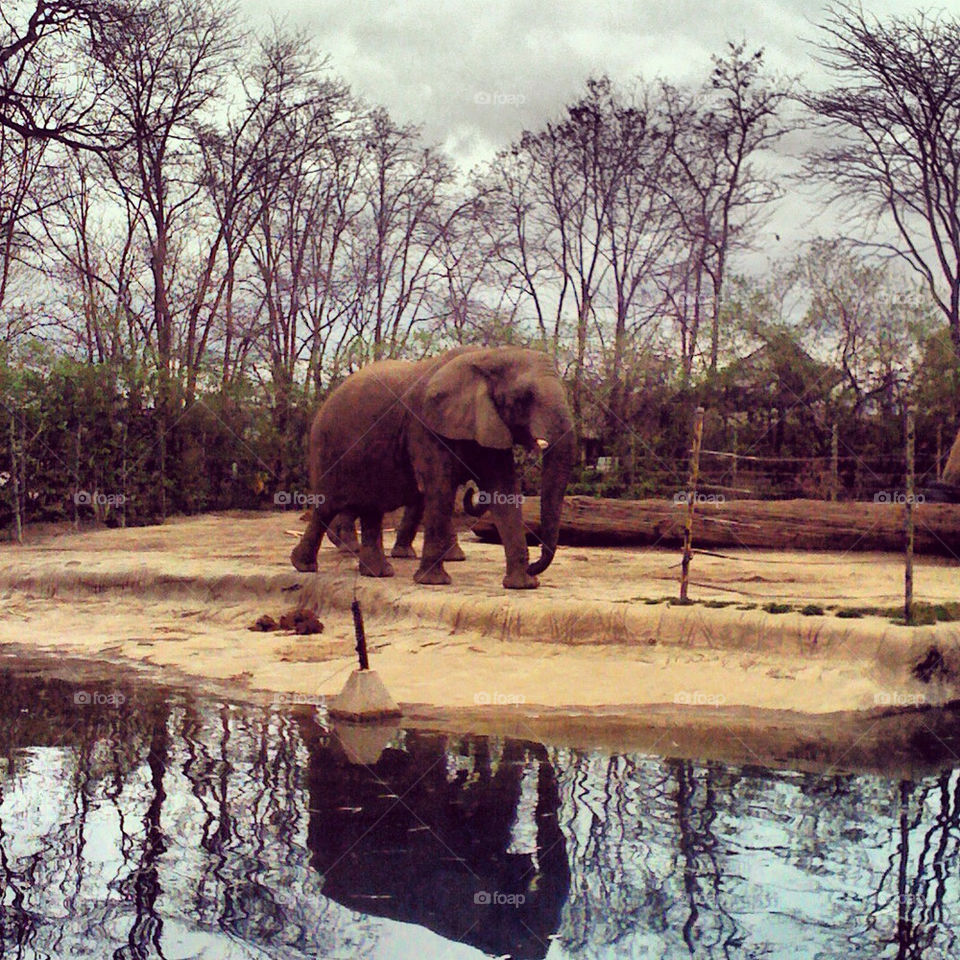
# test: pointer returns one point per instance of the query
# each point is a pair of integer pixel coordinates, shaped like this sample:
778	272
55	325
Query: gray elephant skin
404	434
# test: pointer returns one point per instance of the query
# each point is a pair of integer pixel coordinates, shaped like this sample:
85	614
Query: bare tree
97	261
22	172
395	241
167	67
893	153
36	40
717	192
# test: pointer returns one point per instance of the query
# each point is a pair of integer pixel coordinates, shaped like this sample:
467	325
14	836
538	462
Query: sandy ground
182	596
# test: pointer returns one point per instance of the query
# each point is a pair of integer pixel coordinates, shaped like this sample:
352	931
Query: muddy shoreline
903	742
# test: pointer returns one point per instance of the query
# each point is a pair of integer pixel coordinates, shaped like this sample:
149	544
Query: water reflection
461	838
163	825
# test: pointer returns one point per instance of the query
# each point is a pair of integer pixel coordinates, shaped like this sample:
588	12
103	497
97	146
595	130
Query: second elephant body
343	534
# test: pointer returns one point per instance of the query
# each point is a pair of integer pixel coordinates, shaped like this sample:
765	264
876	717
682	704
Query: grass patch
925	614
774	607
947	612
677	602
653	600
746	606
717	604
850	613
812	610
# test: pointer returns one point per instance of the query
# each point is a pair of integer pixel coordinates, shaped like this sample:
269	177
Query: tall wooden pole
691	501
834	463
908	522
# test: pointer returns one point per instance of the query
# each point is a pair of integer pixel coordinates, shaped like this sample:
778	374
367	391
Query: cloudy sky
475	73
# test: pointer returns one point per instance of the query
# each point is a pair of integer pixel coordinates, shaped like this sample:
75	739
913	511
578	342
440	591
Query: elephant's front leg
437	534
508	516
373	563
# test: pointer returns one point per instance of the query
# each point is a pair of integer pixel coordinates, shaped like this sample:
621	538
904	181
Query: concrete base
363	698
363	743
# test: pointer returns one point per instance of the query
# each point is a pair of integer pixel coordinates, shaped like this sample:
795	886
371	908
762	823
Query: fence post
939	451
16	455
734	471
908	522
691	501
834	463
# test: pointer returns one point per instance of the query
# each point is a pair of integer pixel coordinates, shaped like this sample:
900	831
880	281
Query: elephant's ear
457	404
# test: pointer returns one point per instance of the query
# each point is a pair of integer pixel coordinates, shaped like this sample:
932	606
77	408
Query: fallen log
772	525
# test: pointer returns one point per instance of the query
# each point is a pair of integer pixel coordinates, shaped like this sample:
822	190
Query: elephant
399	433
343	534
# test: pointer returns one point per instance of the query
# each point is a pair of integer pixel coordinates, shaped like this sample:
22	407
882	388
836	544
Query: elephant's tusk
542	444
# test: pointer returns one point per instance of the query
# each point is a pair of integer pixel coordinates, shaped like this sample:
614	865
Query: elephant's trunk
558	460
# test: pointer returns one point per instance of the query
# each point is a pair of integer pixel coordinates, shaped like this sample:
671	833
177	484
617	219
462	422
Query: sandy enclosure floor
183	595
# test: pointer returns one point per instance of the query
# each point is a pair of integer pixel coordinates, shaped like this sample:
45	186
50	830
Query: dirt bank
598	633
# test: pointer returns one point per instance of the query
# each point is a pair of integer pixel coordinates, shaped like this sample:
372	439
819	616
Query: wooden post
939	451
691	501
733	472
361	636
834	463
908	522
15	455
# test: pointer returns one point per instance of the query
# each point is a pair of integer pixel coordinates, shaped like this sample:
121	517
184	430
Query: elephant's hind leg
412	515
437	537
343	532
373	563
304	555
454	552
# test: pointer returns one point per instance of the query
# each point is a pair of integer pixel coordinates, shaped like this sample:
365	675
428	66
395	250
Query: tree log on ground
772	525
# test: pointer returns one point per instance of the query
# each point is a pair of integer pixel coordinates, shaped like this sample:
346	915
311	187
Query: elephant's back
356	439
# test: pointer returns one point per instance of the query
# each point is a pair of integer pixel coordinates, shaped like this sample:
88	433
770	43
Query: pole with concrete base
364	698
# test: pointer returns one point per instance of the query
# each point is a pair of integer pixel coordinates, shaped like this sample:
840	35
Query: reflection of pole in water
903	851
697	845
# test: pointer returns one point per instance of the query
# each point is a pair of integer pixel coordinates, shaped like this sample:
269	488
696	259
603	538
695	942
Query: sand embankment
597	636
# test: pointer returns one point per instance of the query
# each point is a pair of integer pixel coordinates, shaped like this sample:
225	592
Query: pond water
137	822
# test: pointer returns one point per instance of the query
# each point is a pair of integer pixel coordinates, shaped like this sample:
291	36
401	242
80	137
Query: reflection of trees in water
672	858
911	907
158	809
242	825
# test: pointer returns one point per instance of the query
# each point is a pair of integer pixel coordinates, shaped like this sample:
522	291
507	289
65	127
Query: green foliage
90	443
774	607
